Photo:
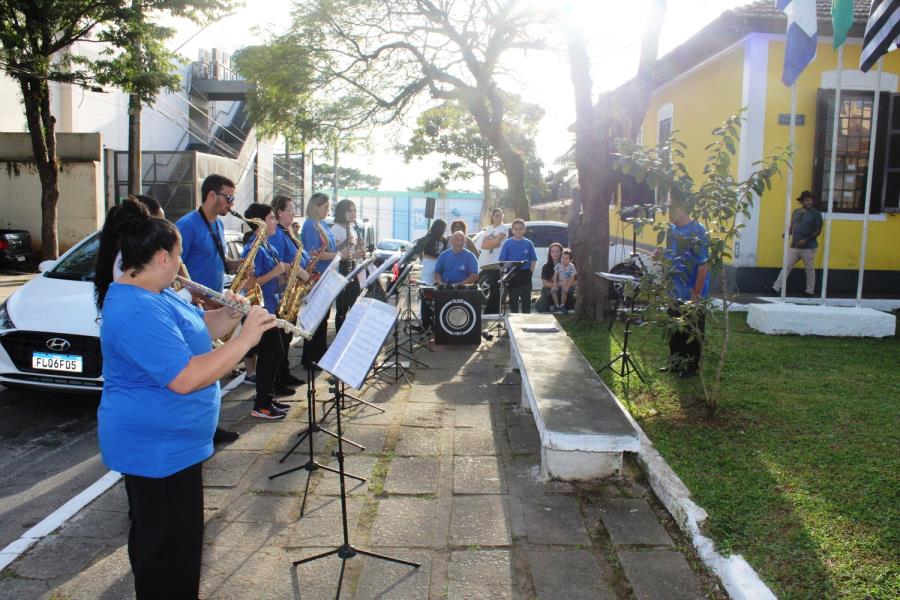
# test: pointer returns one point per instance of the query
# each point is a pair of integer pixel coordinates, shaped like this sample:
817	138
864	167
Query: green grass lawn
800	471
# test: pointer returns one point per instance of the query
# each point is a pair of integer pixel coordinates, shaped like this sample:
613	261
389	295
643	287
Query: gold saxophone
246	270
297	289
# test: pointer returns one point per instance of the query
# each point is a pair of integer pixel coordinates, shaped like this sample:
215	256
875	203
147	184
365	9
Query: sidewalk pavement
453	482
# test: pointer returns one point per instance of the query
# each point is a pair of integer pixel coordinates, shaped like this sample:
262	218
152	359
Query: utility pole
135	185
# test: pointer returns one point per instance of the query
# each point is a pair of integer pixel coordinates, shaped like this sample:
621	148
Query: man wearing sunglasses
203	246
203	234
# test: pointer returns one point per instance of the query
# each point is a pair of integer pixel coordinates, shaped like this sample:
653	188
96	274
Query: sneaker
284	390
563	310
250	379
281	405
290	379
268	414
554	309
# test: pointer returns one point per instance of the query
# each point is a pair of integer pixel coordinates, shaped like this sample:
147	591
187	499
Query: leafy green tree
387	54
715	202
450	131
349	178
36	38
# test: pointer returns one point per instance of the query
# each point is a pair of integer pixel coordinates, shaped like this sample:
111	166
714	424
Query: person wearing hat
806	225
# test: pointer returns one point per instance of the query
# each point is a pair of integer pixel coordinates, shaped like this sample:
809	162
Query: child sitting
564	279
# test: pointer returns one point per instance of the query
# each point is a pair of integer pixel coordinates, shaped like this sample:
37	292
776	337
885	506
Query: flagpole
835	123
869	185
787	203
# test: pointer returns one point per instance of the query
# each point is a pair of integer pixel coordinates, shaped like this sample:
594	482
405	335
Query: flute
241	307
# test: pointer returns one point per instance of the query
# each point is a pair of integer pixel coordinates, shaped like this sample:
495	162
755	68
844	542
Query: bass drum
457	316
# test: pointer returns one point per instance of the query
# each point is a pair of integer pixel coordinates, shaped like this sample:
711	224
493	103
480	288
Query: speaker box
429	207
457	316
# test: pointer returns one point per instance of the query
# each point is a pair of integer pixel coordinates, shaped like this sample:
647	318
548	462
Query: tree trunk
618	114
42	127
135	169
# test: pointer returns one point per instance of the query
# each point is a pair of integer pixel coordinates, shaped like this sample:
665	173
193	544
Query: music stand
350	363
628	365
500	325
392	361
318	301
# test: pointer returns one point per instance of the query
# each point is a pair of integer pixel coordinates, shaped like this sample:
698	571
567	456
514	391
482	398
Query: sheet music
387	264
319	300
359	269
617	277
333	265
359	341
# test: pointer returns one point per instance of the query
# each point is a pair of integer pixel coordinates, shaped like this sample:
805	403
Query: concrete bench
583	428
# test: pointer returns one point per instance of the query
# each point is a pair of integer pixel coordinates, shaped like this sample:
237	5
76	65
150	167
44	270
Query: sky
612	30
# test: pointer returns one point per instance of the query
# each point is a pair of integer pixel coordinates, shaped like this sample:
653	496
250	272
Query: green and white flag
841	19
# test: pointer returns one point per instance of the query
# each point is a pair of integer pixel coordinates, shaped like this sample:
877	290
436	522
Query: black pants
344	303
166	538
271	366
685	352
314	349
492	276
520	292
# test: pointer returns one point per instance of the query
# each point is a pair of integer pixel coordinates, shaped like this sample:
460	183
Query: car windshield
79	264
390	245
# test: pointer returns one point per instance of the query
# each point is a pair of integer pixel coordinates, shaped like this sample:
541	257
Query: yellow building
736	62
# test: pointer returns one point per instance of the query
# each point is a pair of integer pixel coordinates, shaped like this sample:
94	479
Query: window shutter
881	143
820	165
890	180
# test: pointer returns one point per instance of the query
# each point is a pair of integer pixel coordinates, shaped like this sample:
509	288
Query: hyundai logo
58	344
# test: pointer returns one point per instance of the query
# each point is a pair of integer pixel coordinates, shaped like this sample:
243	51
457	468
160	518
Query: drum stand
313	426
499	326
346	550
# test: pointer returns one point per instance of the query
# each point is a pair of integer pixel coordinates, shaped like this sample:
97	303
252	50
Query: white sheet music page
387	264
357	344
320	299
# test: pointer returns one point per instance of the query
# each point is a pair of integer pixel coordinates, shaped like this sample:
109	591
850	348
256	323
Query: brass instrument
296	289
246	270
241	307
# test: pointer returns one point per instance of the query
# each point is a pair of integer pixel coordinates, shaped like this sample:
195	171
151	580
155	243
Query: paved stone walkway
452	468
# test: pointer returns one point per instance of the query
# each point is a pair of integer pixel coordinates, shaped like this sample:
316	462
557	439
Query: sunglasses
228	198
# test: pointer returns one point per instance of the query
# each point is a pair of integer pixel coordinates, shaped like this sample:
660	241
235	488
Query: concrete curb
739	579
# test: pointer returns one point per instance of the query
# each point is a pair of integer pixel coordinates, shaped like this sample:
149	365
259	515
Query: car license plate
20	258
57	362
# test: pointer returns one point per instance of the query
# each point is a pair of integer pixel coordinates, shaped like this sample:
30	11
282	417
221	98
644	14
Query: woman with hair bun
161	395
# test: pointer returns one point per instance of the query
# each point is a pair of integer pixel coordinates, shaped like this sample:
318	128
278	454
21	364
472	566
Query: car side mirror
46	265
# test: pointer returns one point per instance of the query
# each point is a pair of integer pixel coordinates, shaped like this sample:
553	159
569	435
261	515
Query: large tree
449	130
348	177
617	114
388	53
36	39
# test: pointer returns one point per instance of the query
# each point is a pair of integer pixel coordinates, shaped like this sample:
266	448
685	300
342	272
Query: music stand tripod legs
346	550
628	365
499	326
311	464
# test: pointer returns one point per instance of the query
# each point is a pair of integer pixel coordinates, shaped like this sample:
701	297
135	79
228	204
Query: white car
387	248
541	234
49	332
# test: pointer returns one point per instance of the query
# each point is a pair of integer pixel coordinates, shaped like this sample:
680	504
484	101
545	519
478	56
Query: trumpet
241	307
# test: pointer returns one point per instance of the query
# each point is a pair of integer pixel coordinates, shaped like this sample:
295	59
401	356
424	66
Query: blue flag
800	49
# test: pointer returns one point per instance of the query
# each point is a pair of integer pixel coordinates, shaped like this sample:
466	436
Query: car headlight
5	321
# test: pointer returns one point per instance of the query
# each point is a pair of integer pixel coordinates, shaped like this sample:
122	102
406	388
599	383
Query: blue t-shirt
286	248
523	249
199	251
266	259
687	248
144	427
456	266
312	241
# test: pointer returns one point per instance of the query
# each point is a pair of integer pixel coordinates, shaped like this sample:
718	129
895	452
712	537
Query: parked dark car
15	248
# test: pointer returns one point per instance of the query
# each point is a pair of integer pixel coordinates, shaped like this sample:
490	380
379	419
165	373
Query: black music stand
354	368
404	278
313	426
391	367
499	326
629	316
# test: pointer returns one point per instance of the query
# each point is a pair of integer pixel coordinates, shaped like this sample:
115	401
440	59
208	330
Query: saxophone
297	289
246	270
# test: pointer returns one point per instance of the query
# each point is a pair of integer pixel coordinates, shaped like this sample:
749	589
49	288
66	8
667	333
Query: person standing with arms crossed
492	240
519	248
203	247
